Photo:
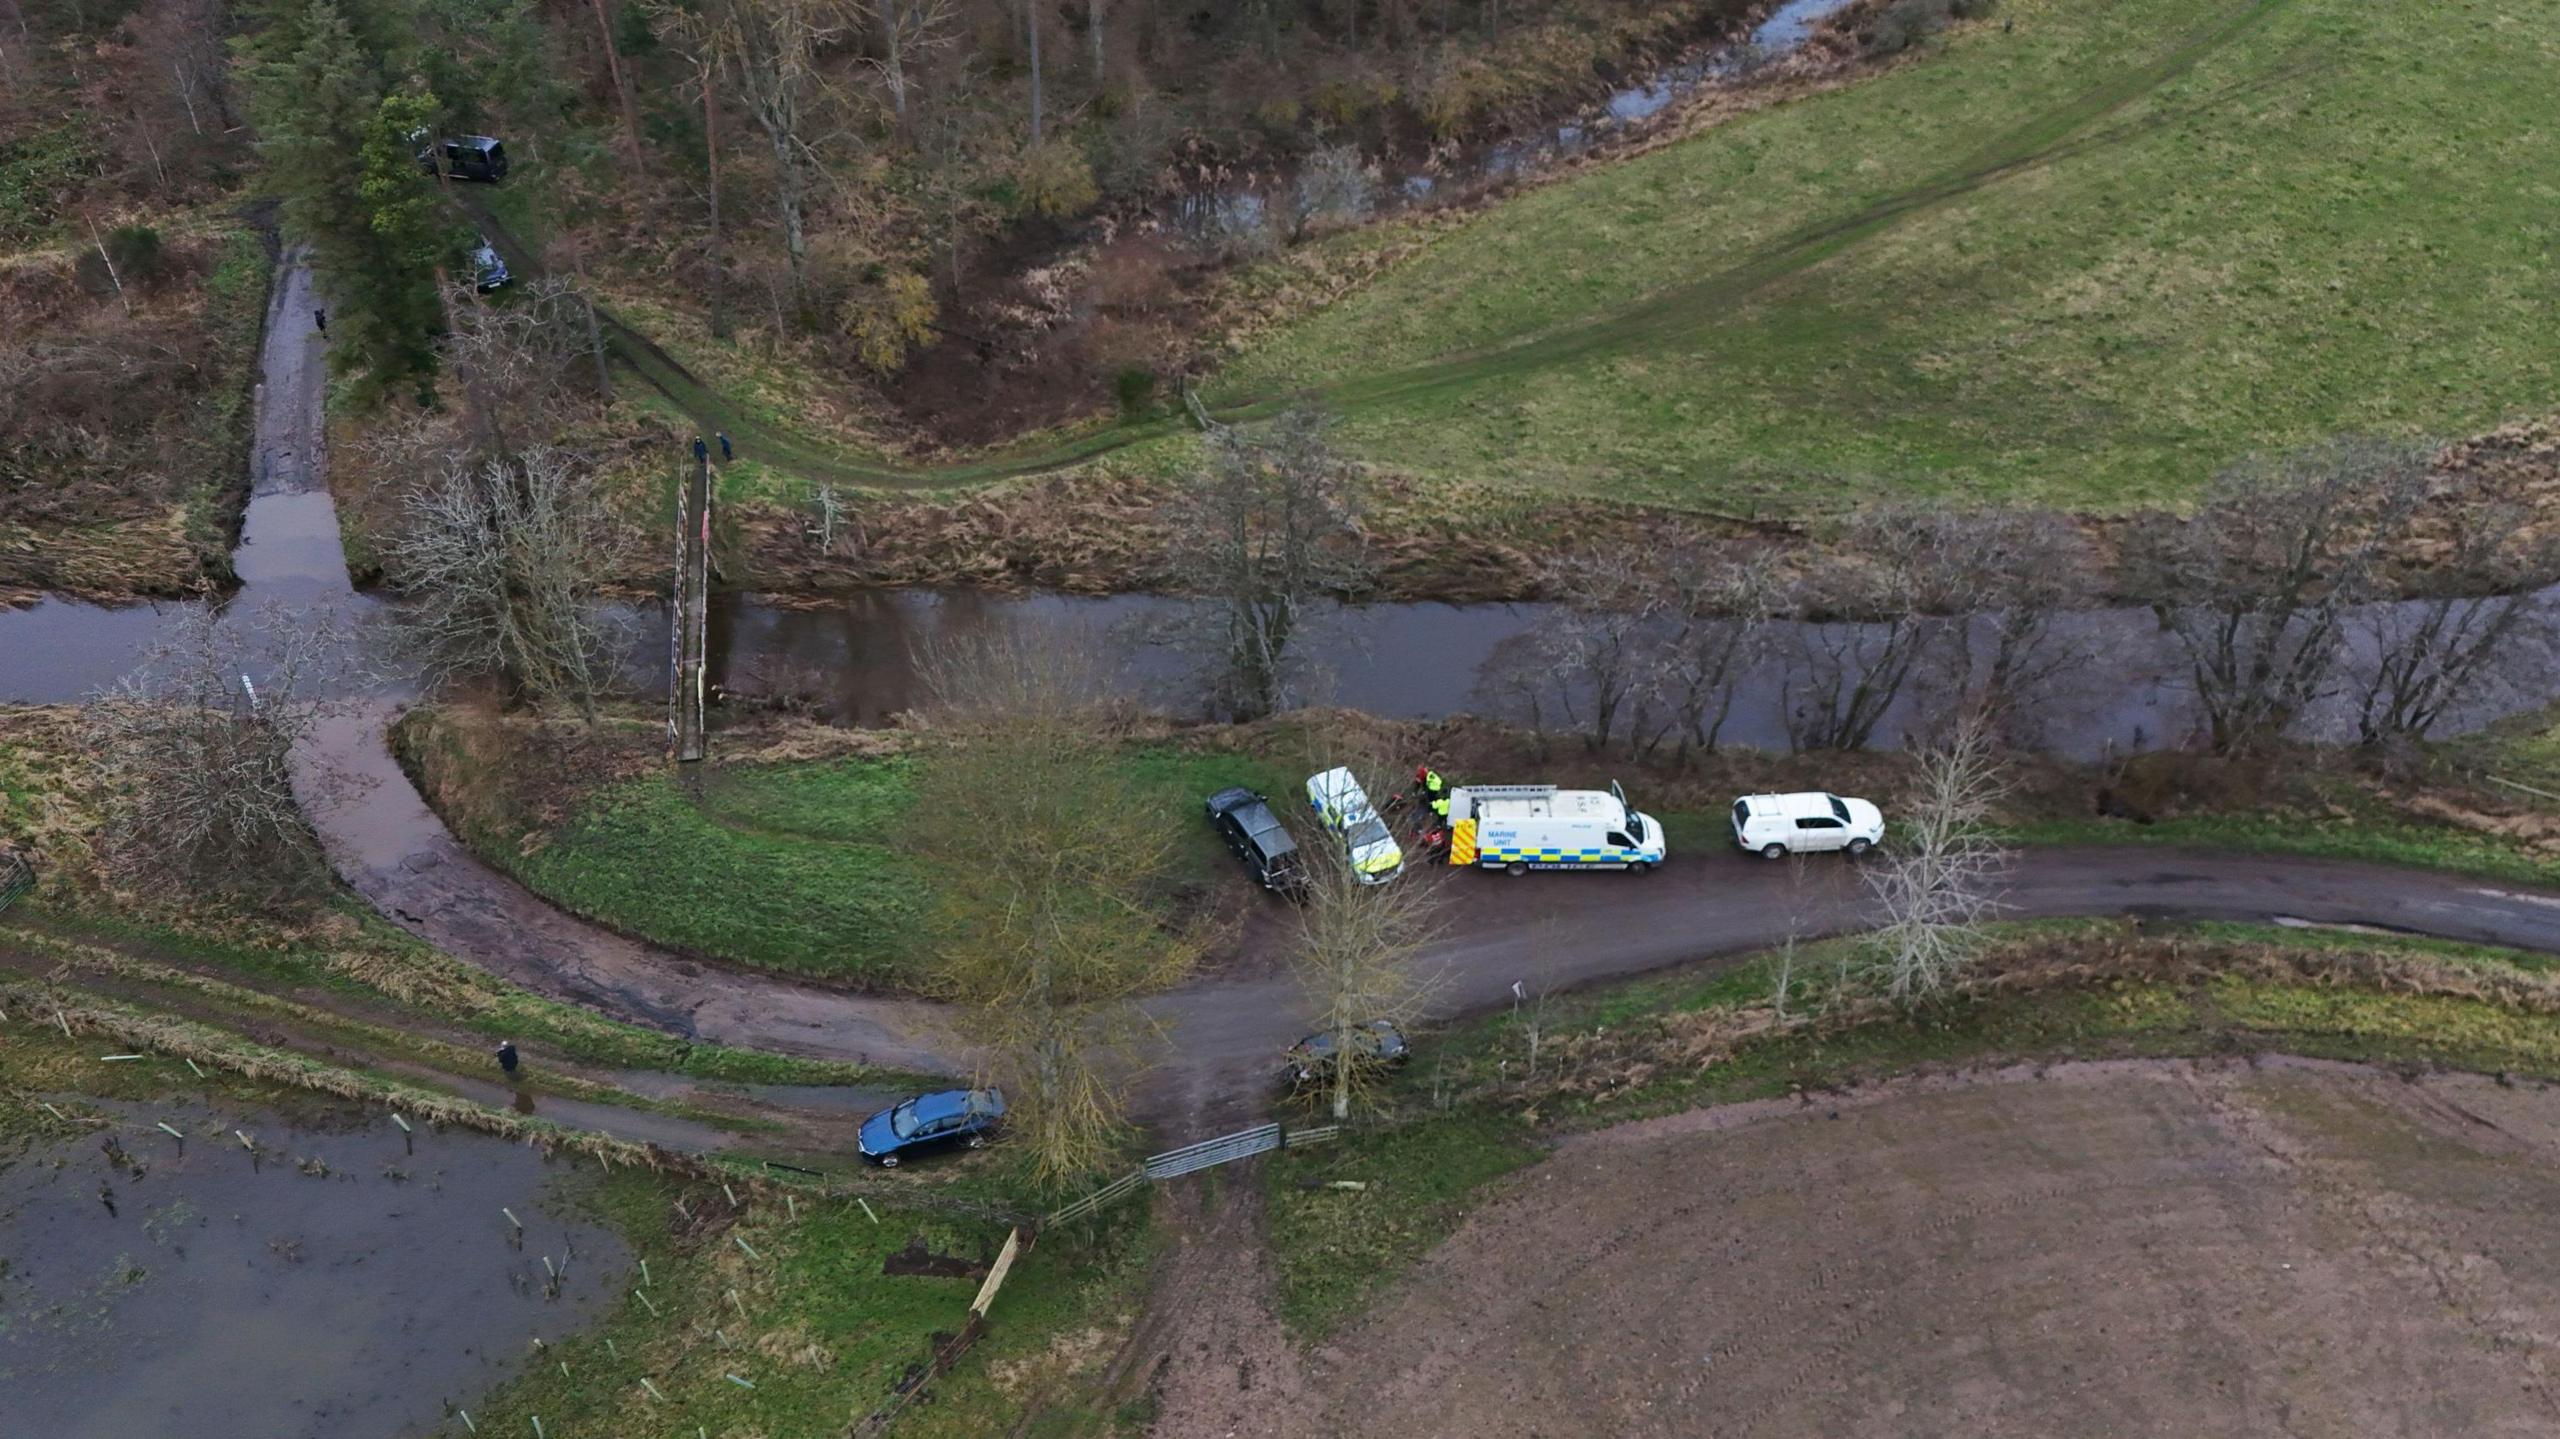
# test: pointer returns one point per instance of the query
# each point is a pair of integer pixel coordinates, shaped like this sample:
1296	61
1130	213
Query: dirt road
1544	931
2153	1248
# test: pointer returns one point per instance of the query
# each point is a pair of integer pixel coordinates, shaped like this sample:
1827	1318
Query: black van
468	157
1245	821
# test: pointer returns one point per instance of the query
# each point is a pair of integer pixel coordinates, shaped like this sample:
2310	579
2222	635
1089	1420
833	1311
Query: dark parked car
488	271
945	1119
1377	1042
1244	820
468	157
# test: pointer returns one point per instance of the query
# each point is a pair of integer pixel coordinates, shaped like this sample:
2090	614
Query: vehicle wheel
1515	867
1773	850
977	1141
1642	866
1858	847
888	1161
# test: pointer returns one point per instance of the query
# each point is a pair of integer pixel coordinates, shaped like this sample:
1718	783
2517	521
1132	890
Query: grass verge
775	1320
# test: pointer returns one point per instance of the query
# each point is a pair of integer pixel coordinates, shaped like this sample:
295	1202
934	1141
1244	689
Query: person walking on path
726	454
320	318
507	1057
701	451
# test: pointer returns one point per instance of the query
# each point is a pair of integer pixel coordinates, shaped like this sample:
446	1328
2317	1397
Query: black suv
467	157
1244	820
1378	1043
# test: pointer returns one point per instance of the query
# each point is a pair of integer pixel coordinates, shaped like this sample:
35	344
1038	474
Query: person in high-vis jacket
1433	790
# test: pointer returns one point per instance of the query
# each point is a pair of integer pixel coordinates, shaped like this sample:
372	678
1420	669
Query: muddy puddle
339	1286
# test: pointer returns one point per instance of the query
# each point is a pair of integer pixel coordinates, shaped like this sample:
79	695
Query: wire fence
16	878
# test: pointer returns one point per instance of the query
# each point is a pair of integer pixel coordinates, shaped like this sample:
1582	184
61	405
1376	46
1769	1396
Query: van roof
1789	806
1543	802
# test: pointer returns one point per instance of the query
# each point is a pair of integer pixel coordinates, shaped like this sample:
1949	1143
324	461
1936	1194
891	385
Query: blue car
945	1119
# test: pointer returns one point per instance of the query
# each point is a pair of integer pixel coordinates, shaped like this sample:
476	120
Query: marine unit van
1521	827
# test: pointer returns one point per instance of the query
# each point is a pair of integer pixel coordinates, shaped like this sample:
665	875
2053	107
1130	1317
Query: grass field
799	868
2083	254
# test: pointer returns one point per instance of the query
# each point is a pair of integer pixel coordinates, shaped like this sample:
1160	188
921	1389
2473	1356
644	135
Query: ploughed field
2093	1249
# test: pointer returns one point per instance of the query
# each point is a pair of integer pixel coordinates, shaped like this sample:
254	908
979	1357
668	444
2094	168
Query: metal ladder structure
689	617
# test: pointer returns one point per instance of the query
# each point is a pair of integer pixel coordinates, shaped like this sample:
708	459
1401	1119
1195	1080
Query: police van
1343	807
1521	827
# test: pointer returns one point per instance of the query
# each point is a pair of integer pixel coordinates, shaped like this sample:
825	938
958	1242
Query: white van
1344	808
1521	827
1774	826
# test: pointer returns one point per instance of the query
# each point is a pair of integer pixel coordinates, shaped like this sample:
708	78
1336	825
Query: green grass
799	867
820	1332
1331	1246
2374	840
1336	1252
2083	255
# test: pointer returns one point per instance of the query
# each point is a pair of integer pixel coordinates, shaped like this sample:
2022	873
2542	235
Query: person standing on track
320	318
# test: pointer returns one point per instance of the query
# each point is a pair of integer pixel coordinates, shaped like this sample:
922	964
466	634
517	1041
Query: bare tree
2255	586
1335	186
1594	646
522	367
1717	627
768	50
1357	947
1866	631
1032	25
2003	577
1938	887
498	563
2430	656
1049	930
1267	528
621	85
908	29
194	747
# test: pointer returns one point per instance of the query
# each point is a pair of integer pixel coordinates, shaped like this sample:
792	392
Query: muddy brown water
222	1299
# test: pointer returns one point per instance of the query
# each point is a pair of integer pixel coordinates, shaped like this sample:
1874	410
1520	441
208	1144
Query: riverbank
125	408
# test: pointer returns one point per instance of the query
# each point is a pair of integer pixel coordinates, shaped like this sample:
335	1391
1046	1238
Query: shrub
1054	180
1135	389
138	256
886	317
1906	23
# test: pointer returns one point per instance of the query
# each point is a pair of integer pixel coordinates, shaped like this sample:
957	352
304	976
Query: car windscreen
902	1120
1741	812
1367	832
1839	809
